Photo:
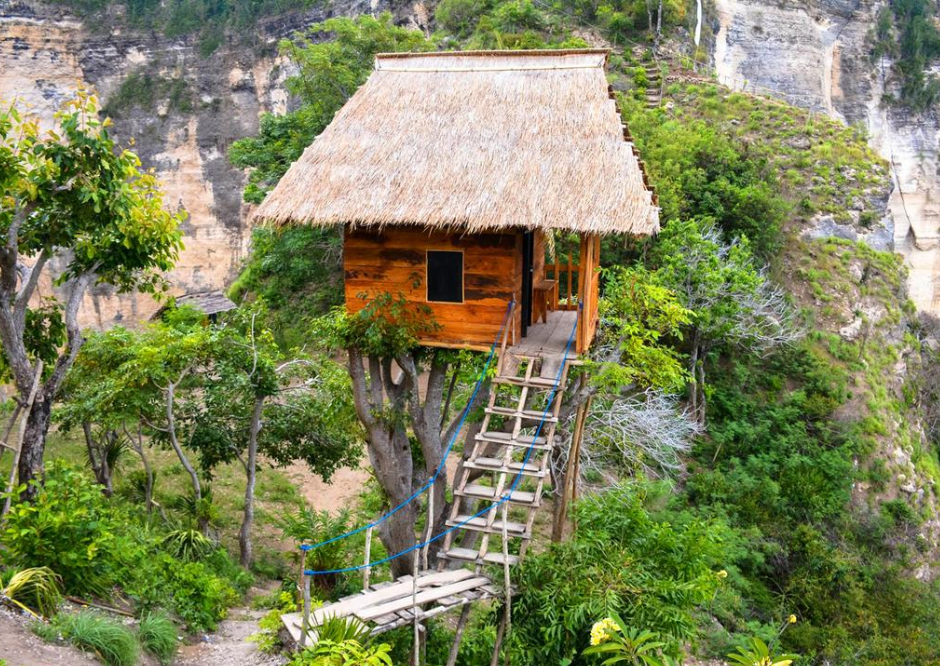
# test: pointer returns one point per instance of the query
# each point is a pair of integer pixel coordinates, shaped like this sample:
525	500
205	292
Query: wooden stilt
416	658
507	579
569	483
458	635
500	635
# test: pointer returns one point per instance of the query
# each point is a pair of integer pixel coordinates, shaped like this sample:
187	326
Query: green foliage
187	545
914	43
758	654
37	590
110	217
460	17
297	272
343	629
270	625
142	89
157	635
701	172
387	326
620	644
69	528
345	653
198	597
110	640
649	572
639	317
309	526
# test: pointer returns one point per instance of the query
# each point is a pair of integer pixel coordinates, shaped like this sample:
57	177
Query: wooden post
570	277
367	571
458	635
305	625
556	290
429	531
416	659
561	513
577	461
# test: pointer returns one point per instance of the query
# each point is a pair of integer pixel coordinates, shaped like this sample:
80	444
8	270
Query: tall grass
111	641
36	590
157	635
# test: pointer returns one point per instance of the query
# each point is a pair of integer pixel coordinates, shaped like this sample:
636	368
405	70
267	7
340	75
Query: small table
543	300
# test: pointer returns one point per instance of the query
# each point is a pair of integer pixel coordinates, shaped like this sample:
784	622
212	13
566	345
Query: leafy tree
733	303
70	199
221	392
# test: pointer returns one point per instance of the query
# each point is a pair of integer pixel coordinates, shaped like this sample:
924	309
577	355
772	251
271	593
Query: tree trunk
659	22
98	458
33	446
203	523
244	535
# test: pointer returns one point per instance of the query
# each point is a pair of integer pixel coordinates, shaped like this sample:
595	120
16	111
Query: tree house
450	173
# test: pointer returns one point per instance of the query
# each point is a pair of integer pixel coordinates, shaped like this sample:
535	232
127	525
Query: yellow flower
601	631
722	574
792	619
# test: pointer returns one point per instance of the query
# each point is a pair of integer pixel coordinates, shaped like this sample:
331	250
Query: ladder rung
470	555
478	524
478	491
527	414
531	382
496	465
524	441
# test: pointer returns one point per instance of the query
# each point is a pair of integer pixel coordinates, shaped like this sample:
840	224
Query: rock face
815	54
183	129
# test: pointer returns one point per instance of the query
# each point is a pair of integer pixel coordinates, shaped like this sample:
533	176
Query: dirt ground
229	646
20	647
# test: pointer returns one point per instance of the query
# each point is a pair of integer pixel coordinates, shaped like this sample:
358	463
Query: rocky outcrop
815	54
195	108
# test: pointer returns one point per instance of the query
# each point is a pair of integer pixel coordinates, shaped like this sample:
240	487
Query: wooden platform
548	339
386	606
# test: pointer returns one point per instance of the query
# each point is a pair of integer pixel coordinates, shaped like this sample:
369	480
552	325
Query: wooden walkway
389	605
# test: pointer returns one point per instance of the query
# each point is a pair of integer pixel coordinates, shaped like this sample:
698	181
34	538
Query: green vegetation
906	30
157	635
144	90
108	639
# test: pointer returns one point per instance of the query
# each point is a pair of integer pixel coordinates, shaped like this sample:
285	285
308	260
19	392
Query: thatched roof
207	302
481	140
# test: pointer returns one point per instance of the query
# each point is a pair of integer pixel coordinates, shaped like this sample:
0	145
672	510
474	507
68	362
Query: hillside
794	497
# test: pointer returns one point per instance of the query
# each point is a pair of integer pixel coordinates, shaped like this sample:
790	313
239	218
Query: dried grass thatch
475	141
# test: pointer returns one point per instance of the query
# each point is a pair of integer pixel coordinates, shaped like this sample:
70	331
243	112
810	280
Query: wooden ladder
526	391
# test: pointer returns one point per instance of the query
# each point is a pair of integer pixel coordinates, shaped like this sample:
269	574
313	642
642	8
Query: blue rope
502	500
440	467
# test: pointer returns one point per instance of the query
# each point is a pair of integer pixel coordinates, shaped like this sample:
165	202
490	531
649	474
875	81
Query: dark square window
445	276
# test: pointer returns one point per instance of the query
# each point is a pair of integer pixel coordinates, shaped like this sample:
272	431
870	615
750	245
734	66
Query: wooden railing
567	283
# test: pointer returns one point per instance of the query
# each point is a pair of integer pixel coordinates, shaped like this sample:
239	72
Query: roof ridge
495	53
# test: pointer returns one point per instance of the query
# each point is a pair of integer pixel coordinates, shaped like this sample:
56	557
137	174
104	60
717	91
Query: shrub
651	573
199	598
70	529
157	635
187	545
351	652
111	641
460	16
37	590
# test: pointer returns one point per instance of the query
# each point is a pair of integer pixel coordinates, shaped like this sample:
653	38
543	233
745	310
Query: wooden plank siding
395	261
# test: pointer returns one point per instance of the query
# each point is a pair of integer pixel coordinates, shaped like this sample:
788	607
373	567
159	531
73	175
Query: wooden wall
394	261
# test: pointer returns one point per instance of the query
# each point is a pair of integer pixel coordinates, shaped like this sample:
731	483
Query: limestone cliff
197	106
815	54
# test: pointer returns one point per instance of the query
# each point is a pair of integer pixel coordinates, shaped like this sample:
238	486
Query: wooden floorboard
548	339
